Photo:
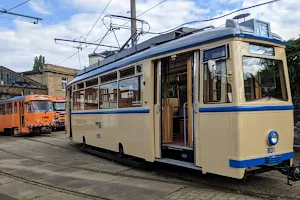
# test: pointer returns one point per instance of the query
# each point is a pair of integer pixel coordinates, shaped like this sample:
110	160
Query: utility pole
133	21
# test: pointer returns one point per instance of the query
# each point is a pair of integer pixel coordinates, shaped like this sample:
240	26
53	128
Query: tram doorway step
178	163
180	153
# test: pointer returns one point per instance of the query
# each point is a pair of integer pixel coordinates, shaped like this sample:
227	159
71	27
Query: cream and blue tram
213	99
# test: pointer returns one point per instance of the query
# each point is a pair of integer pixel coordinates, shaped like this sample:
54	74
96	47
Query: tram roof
129	56
20	98
17	98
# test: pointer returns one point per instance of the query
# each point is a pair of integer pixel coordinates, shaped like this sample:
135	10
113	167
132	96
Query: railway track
182	178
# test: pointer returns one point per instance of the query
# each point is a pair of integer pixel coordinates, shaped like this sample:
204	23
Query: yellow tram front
257	128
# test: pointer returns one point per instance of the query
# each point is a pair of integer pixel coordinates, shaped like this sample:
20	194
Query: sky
21	40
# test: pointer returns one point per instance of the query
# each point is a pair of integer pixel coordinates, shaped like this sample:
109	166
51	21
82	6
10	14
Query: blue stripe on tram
246	108
259	161
131	111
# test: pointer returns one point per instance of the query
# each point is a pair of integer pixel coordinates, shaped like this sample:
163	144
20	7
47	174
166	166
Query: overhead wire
98	18
108	34
91	30
15	6
12	9
219	17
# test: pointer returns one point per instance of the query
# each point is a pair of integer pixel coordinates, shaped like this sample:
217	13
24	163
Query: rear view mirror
212	66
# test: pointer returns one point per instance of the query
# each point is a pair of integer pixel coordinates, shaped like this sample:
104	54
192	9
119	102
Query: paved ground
50	168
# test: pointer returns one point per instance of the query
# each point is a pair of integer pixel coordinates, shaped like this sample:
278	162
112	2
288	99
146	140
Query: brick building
14	84
54	77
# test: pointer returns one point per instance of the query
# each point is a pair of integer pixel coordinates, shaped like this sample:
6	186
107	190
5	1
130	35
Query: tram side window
9	108
216	89
130	91
91	98
15	107
78	100
108	95
2	109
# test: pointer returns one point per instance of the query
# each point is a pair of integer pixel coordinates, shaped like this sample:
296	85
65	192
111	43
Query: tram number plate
271	150
98	135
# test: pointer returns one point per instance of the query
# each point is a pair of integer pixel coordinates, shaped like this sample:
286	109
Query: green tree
38	63
293	61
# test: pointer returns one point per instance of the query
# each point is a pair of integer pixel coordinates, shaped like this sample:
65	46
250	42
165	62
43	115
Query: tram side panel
257	127
218	139
108	130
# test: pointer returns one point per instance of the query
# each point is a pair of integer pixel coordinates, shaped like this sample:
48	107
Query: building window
78	100
108	95
91	98
64	82
130	92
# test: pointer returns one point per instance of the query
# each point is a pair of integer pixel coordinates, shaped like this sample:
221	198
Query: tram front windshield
59	106
264	78
39	106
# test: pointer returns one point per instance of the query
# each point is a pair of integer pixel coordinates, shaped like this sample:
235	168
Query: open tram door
68	125
175	107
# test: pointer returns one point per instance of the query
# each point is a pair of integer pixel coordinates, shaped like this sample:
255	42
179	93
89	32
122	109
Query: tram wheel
121	151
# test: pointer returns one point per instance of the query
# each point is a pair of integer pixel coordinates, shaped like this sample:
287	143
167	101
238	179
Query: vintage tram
213	99
27	114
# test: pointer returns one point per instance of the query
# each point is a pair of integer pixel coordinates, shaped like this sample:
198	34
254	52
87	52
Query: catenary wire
16	6
102	37
219	17
98	18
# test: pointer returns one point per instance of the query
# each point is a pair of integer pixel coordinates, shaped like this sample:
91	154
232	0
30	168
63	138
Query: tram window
92	82
91	98
263	50
9	108
78	100
130	92
108	95
80	86
139	68
217	89
127	72
264	78
109	77
2	109
215	53
15	107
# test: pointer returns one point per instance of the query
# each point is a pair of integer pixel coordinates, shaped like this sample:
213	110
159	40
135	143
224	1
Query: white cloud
40	6
26	41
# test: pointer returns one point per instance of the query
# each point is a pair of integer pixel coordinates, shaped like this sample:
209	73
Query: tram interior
176	98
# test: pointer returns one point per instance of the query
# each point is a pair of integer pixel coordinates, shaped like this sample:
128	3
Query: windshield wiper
263	89
47	110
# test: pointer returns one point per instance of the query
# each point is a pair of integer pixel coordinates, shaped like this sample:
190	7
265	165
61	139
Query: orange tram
27	114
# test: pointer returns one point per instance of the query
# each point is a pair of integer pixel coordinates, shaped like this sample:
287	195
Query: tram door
68	113
174	107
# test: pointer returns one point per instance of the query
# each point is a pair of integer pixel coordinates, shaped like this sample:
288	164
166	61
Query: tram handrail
184	122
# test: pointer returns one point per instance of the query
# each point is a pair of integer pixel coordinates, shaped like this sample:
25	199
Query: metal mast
133	21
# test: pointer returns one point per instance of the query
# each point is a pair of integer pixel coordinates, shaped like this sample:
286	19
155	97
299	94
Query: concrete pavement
51	168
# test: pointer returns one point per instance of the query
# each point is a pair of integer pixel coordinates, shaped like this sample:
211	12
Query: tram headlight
273	138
